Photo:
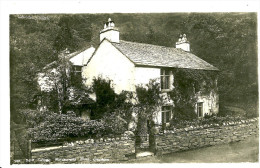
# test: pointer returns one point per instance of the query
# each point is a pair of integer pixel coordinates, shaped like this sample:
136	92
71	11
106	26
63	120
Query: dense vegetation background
226	40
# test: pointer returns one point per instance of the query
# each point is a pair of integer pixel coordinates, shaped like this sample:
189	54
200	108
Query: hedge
50	126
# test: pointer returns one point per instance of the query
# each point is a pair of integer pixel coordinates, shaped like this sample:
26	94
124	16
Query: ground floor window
166	114
200	109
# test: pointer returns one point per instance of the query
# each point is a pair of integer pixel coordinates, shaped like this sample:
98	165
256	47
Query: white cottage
129	64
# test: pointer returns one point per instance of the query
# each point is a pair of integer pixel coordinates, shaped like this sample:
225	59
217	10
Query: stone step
144	154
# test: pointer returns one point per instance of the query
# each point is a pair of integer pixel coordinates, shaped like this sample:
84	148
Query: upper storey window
77	75
165	79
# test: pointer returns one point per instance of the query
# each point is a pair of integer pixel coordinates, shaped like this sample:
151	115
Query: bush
114	124
50	126
107	101
224	111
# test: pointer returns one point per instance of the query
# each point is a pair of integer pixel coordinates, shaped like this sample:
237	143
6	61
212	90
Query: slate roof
160	56
82	58
79	58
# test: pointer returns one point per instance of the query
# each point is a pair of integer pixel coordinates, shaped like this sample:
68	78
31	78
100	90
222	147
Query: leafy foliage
33	40
149	96
103	90
30	50
50	126
105	97
188	84
70	38
148	100
108	102
228	41
60	88
115	125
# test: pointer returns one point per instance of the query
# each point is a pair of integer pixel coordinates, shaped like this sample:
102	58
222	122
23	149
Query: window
76	76
166	114
200	109
77	70
165	79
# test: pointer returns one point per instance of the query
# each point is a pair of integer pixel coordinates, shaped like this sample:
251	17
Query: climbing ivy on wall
187	85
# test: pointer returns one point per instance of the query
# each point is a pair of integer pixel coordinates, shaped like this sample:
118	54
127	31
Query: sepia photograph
133	87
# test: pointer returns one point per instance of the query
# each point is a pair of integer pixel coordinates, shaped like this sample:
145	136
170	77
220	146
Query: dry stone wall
197	137
114	150
89	151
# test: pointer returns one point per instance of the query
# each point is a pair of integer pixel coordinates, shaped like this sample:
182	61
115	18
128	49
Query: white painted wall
110	63
83	57
143	75
157	116
210	103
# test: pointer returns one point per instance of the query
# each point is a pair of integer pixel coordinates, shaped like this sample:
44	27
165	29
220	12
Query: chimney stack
110	32
183	43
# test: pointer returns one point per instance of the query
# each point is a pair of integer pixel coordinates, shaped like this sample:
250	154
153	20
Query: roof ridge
147	44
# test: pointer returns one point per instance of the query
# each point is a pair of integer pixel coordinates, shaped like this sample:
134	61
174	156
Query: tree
30	50
74	33
148	99
228	41
108	102
59	86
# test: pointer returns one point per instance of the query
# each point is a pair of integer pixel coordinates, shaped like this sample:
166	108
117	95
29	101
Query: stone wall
191	137
114	150
88	151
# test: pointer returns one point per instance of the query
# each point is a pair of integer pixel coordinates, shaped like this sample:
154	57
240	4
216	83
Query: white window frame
200	106
164	114
165	77
75	68
76	72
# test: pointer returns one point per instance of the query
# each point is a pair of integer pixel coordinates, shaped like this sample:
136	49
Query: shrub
50	126
114	124
224	111
105	97
108	103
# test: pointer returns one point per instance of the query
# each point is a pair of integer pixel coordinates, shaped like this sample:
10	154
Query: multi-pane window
77	76
166	114
165	79
77	70
200	109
